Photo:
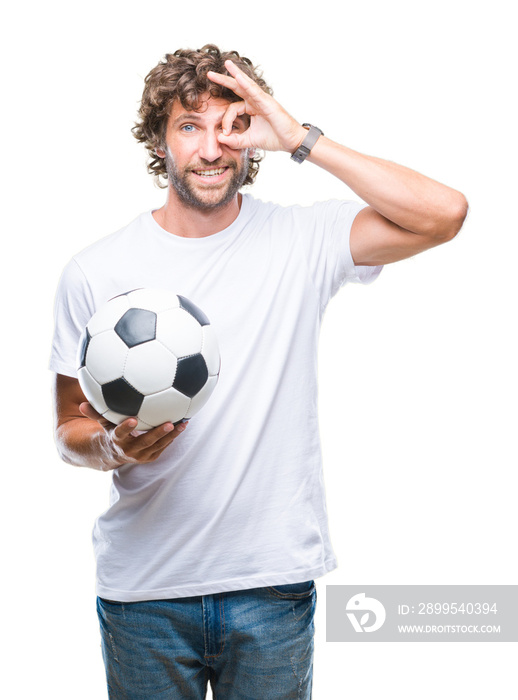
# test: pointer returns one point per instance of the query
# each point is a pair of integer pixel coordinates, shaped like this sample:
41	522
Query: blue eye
187	126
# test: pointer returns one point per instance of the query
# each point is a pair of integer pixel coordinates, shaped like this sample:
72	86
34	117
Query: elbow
61	447
70	450
452	218
458	214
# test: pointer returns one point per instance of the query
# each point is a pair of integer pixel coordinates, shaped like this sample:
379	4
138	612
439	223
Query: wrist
311	137
299	135
110	455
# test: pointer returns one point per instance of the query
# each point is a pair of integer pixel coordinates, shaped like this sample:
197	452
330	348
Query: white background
418	371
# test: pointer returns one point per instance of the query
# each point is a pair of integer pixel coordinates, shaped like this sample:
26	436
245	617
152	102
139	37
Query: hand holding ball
151	354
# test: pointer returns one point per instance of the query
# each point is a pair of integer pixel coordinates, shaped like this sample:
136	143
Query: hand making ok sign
271	127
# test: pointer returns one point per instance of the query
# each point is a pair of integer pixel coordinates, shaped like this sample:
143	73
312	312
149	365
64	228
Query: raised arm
86	439
407	213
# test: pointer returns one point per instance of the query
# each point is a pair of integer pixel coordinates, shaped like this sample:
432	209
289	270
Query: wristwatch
305	147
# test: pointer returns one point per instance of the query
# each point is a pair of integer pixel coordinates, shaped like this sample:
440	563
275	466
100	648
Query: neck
189	222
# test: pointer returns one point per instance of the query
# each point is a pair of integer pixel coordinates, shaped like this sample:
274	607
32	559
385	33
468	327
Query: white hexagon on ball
169	405
150	367
107	316
105	357
92	390
179	332
201	398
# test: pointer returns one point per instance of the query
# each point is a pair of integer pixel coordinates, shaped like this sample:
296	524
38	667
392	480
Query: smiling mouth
213	172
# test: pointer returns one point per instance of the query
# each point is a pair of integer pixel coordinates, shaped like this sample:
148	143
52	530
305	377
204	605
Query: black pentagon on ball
85	342
191	375
136	326
193	310
121	397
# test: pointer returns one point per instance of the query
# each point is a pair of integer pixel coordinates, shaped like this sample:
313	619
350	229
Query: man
207	556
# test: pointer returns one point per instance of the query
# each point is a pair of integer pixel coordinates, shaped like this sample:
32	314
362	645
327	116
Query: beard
207	198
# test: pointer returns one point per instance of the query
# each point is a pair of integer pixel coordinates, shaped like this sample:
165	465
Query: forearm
411	200
85	439
83	443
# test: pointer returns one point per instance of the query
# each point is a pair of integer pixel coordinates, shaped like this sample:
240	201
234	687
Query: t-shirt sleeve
323	231
73	308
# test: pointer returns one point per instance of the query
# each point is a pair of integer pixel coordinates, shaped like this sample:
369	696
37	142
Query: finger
222	79
136	447
234	110
146	448
237	73
124	429
244	82
148	440
160	445
89	411
235	139
240	83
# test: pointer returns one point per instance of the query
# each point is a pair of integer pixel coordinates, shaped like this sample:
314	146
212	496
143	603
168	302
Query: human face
204	173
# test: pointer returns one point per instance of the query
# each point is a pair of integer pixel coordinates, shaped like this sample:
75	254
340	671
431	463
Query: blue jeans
254	644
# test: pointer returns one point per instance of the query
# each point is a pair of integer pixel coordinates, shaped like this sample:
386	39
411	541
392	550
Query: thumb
234	141
89	411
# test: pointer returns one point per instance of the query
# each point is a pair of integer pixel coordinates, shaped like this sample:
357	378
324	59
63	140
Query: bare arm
85	439
407	213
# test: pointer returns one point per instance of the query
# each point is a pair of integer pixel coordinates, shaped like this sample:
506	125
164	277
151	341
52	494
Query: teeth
208	173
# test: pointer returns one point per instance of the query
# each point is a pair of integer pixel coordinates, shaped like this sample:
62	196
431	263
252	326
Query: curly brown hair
182	75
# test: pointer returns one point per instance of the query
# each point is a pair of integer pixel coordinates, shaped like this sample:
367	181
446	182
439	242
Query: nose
210	148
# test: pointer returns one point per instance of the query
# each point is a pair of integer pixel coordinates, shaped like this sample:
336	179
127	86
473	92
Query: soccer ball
148	353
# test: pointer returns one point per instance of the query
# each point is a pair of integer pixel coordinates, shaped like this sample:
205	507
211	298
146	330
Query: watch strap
305	147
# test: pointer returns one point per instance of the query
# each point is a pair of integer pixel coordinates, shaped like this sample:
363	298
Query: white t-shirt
237	501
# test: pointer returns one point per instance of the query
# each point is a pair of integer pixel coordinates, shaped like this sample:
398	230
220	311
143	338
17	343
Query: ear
160	153
251	152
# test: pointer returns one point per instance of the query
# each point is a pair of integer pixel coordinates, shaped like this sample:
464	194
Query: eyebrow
195	117
192	116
